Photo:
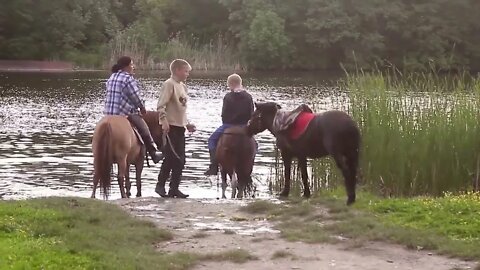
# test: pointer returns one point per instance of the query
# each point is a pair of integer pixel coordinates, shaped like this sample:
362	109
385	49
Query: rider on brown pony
123	99
236	111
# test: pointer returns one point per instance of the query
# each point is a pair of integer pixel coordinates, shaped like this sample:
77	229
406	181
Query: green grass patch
283	254
308	232
449	225
74	233
200	235
259	207
236	256
296	219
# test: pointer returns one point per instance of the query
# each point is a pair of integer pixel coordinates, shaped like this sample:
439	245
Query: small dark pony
236	154
332	133
114	141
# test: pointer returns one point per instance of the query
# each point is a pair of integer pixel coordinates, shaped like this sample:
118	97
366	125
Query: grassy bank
74	233
449	225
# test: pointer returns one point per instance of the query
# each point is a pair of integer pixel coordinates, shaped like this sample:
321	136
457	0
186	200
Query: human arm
166	93
132	91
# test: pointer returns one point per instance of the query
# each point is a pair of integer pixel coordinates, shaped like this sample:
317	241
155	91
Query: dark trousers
172	163
144	131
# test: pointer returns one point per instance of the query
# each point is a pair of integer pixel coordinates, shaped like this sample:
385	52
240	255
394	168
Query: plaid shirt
122	95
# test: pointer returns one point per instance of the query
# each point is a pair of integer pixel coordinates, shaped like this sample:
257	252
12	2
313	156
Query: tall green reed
419	133
215	56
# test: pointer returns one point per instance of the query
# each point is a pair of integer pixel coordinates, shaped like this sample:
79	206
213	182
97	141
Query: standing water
47	121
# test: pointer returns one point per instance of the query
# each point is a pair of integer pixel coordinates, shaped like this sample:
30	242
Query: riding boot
213	167
174	192
142	128
152	151
177	194
162	179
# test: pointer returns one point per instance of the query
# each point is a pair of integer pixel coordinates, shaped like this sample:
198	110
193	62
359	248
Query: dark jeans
213	140
143	129
171	163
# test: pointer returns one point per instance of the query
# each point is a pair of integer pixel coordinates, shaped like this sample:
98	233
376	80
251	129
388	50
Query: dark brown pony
236	154
114	141
332	133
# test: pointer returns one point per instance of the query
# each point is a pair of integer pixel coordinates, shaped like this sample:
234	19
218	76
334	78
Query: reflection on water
47	121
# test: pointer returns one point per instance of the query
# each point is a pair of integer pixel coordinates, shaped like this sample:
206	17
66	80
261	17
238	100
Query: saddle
137	134
290	125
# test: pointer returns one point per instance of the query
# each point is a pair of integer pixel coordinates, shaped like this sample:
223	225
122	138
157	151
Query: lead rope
165	139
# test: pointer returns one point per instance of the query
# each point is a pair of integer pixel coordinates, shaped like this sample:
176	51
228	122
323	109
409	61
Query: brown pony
236	154
114	141
332	133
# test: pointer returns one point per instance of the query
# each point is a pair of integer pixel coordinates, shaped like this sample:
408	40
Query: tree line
261	34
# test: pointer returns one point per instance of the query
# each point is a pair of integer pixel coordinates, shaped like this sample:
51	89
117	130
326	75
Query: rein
165	139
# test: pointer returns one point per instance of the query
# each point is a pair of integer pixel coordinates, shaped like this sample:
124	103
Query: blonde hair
179	63
234	79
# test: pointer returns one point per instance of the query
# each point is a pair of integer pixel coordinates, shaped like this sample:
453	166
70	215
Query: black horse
332	133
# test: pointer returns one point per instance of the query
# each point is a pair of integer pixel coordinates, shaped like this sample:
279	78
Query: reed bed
214	56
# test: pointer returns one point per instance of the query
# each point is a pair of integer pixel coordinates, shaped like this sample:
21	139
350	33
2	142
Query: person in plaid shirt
123	98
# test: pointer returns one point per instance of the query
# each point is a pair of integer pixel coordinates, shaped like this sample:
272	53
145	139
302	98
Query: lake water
47	121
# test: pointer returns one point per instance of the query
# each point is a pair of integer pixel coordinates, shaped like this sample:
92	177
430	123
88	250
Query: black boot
152	151
177	194
160	189
162	179
142	128
174	192
213	167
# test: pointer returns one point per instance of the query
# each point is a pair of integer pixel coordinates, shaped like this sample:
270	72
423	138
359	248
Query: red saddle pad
300	124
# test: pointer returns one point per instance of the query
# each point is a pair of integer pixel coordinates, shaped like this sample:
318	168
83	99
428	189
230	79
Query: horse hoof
284	194
139	195
224	197
129	194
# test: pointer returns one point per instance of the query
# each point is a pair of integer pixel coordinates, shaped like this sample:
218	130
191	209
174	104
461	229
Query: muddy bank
204	226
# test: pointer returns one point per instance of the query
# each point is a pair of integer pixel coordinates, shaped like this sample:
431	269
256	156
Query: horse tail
242	143
104	160
356	145
352	162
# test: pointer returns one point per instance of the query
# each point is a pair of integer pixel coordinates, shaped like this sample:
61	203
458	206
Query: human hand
191	128
165	127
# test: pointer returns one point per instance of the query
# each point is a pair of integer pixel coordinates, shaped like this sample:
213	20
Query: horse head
262	117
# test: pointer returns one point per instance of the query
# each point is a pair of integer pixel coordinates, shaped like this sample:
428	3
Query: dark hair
122	63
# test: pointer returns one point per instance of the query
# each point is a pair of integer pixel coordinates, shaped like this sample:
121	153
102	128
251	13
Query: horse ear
278	107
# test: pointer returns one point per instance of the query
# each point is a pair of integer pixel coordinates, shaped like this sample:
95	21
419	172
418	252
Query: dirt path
206	226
